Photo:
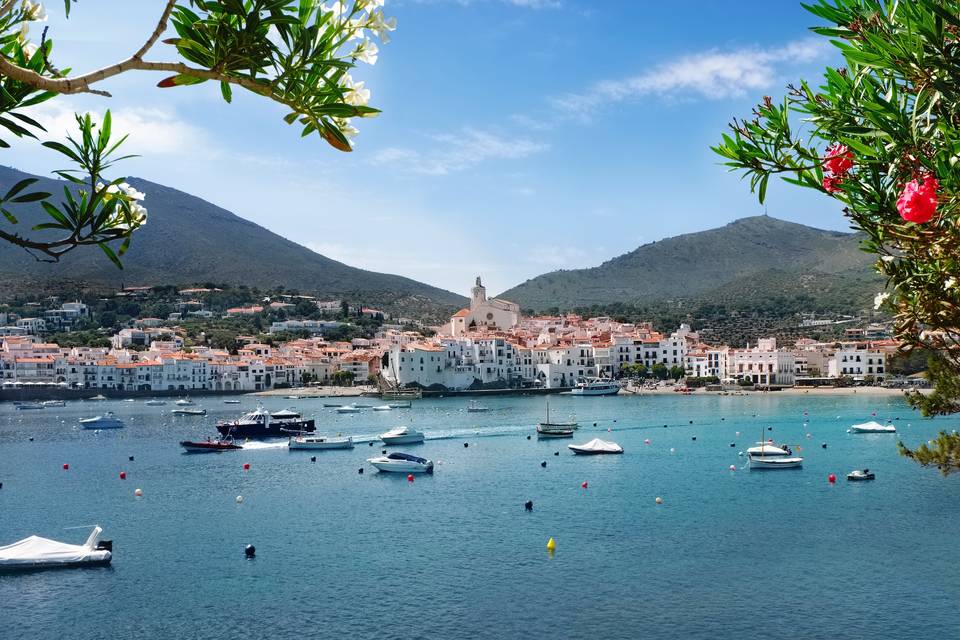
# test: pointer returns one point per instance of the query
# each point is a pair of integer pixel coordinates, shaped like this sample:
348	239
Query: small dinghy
873	427
402	435
320	442
383	407
155	403
184	402
400	405
231	402
106	421
594	447
859	475
402	463
349	408
209	446
42	553
189	412
775	462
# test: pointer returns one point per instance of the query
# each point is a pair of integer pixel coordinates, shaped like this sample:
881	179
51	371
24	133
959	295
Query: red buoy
584	485
409	477
65	466
246	466
123	475
831	478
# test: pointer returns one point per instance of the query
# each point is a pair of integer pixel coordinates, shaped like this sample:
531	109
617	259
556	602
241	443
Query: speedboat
348	408
873	427
184	402
768	449
383	407
595	446
400	405
402	463
209	446
99	396
155	403
259	423
24	406
54	403
555	430
320	442
189	412
596	387
42	553
106	421
775	462
859	475
402	435
475	407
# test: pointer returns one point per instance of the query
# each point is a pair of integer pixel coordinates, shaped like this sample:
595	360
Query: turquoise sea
728	554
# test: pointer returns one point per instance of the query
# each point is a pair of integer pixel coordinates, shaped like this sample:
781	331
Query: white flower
131	192
355	95
381	25
950	283
879	299
337	9
34	11
29	49
367	52
888	259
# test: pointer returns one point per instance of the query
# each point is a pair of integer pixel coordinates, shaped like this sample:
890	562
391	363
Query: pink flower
918	202
839	159
831	184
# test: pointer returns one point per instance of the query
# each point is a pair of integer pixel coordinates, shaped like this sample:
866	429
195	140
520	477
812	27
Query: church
493	314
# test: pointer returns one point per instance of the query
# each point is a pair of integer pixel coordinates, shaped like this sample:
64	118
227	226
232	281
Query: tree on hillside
881	136
295	52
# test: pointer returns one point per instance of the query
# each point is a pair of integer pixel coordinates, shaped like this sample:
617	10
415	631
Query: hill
188	240
745	265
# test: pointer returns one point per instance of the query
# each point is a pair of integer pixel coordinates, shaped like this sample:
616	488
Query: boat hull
861	430
583	452
595	392
776	463
401	467
321	443
274	430
208	447
406	439
110	424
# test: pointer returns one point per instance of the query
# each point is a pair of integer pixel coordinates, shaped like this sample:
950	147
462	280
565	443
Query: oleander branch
160	28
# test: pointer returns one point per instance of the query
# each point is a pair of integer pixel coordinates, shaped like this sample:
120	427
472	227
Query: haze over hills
188	240
746	262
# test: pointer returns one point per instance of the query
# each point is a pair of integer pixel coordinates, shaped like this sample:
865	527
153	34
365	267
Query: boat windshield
407	457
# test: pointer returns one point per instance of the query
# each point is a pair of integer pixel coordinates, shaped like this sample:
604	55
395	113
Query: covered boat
873	427
595	446
402	463
260	424
320	442
42	553
402	435
106	421
768	449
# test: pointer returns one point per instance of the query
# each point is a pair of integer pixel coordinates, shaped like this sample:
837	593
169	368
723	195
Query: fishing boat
596	387
105	421
547	429
42	553
259	423
27	406
402	435
476	407
402	463
155	403
873	427
184	402
348	408
595	447
188	412
320	442
54	403
209	446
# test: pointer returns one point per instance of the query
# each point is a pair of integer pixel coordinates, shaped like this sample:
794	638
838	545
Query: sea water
745	554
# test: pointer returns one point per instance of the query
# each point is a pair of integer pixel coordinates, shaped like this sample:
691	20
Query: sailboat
770	457
547	429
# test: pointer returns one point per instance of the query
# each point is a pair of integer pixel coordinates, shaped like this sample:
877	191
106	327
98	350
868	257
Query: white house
857	363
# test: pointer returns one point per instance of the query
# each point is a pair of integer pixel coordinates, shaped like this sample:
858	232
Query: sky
517	136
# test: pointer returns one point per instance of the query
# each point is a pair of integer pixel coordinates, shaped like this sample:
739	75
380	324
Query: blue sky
517	136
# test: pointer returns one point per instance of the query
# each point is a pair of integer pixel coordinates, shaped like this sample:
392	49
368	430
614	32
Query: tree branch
161	27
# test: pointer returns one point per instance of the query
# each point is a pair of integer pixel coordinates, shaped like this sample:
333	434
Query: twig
160	28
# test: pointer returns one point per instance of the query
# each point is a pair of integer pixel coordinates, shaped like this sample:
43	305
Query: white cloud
454	152
712	75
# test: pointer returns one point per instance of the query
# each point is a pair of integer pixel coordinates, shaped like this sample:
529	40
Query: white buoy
137	492
239	499
672	450
659	500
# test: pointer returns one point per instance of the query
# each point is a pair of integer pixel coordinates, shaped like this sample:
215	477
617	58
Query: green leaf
9	216
64	149
17	188
110	254
226	91
32	197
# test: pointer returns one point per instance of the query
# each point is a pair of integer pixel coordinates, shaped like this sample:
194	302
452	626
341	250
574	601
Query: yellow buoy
551	545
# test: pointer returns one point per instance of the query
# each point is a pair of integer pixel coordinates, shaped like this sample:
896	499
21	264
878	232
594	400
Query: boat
210	446
259	423
129	400
475	407
402	394
42	553
99	396
595	446
331	406
547	429
184	402
873	427
402	435
402	463
383	407
231	402
775	462
106	421
406	404
768	449
54	403
25	406
596	387
348	408
155	403
320	442
859	475
188	412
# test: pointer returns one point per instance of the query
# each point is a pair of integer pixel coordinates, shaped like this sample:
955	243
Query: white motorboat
320	442
54	403
188	412
99	396
231	402
595	446
775	462
475	407
383	407
184	402
26	406
860	475
348	408
400	405
768	449
873	427
42	553
155	403
402	463
596	387
106	421
402	435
